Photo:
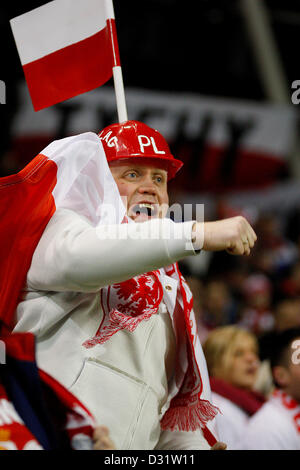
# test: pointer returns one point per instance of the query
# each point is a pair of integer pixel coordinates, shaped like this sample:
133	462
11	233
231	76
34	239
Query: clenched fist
235	235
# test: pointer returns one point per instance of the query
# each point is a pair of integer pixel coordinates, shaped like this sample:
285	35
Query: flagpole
120	94
117	69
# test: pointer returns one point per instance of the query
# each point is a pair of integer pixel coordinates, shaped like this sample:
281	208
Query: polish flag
70	173
66	47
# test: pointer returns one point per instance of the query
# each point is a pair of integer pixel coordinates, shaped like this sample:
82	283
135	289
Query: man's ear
281	376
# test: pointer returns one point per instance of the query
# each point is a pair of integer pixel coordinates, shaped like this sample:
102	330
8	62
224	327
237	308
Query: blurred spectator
218	308
257	316
274	253
290	286
236	276
276	426
232	360
287	315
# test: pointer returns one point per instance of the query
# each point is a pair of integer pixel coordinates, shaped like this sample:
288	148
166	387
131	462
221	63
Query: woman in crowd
232	359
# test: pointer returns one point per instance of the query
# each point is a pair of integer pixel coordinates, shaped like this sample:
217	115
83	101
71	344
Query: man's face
288	376
143	189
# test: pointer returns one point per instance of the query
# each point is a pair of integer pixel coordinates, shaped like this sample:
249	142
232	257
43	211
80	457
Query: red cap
133	139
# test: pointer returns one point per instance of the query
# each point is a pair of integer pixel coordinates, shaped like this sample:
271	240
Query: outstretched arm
74	256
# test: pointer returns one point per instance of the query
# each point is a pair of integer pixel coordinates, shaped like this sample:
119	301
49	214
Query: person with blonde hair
232	360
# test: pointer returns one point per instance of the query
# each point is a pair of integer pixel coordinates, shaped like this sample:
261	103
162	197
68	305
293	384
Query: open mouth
145	208
251	370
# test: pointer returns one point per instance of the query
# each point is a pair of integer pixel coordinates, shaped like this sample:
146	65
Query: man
276	426
104	296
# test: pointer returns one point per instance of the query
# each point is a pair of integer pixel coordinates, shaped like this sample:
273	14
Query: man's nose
147	186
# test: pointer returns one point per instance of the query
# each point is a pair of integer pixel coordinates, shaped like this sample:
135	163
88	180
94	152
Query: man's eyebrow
156	171
161	173
129	168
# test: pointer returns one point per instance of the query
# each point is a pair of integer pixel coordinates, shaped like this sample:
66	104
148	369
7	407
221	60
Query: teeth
145	208
149	206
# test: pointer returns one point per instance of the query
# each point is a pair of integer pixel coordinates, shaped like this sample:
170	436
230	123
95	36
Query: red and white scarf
249	401
290	406
126	305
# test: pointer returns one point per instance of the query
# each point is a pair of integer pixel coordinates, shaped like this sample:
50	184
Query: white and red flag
71	169
66	47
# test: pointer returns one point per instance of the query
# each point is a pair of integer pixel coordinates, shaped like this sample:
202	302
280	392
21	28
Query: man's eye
132	175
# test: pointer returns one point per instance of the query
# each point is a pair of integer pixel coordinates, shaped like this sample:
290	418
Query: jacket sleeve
72	255
182	440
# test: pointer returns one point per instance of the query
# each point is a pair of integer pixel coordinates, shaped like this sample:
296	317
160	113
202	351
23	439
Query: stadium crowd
260	292
248	310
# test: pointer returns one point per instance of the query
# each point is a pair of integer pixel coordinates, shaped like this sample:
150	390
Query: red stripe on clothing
20	346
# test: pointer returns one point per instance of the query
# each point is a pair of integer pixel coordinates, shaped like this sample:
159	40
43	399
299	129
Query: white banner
224	144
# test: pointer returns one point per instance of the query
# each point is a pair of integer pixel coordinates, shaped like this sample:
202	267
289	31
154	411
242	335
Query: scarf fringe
189	417
118	321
